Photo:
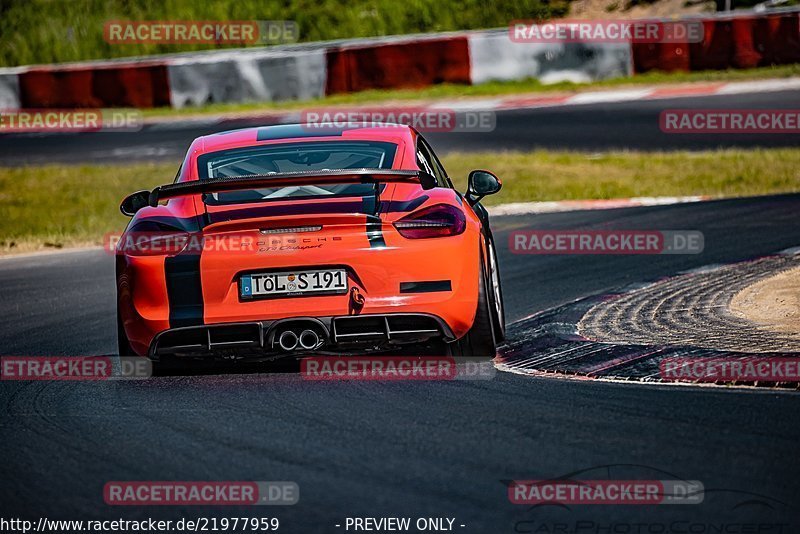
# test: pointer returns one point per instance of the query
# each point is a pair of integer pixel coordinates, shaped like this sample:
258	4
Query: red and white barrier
140	84
9	89
730	42
494	57
302	72
416	63
265	76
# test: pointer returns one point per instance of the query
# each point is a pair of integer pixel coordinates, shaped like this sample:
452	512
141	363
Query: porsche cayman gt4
299	239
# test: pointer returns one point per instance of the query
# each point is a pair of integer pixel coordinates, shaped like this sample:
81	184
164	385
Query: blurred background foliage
53	31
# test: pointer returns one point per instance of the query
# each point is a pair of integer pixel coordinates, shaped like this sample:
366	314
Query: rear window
293	157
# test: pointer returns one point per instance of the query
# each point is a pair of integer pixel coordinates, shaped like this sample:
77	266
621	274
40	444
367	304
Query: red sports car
295	239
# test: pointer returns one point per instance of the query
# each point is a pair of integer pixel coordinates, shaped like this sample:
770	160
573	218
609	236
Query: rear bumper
347	333
200	293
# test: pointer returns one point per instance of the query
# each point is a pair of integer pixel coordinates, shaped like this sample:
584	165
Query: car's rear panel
393	274
376	266
192	299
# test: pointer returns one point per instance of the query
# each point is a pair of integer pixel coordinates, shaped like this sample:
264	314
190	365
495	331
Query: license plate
293	283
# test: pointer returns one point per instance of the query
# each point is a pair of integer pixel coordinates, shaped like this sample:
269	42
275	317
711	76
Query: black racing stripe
369	204
291	131
184	290
425	287
375	235
404	206
372	205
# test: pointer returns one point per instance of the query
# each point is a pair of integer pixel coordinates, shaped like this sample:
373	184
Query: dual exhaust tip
307	340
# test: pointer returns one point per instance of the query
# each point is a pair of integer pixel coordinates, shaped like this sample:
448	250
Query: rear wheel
479	341
124	349
123	345
496	296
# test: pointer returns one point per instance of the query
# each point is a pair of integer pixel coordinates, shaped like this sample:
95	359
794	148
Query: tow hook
357	300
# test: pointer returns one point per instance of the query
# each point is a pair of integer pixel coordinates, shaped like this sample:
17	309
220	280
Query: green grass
496	88
57	206
50	31
545	175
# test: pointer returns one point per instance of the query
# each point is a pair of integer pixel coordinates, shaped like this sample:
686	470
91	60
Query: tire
124	349
479	341
496	295
123	345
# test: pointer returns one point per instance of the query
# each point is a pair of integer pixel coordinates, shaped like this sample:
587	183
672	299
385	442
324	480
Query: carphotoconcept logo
730	121
606	31
581	501
233	32
606	242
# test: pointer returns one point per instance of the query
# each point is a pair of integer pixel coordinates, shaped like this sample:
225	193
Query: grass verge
56	206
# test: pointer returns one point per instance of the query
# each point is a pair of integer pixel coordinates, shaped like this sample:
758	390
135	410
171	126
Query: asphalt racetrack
409	448
623	125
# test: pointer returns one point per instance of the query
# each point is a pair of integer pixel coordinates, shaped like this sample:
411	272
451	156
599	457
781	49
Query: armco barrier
777	38
661	56
494	57
727	44
730	42
406	64
265	76
139	85
745	55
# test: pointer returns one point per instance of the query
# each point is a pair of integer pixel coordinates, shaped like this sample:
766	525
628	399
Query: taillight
437	221
149	238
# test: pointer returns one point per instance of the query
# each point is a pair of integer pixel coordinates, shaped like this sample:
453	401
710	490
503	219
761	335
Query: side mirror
480	184
134	202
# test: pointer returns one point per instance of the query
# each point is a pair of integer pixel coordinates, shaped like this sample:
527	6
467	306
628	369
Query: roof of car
289	132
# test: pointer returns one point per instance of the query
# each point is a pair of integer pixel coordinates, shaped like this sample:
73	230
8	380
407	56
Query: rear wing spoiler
334	176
